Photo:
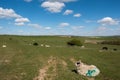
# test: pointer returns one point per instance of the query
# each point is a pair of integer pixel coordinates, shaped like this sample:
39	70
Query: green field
21	60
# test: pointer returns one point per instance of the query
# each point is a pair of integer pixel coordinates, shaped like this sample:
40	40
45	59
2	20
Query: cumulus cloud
64	24
108	21
27	0
77	27
101	28
47	28
62	0
19	24
89	21
68	0
8	13
77	15
101	31
19	20
1	27
35	25
54	7
67	12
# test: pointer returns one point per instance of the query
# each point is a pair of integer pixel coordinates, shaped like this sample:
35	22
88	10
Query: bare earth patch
48	72
43	75
64	63
72	60
91	78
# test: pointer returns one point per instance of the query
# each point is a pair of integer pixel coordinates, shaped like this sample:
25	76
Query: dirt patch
91	78
43	75
72	60
64	63
49	70
6	61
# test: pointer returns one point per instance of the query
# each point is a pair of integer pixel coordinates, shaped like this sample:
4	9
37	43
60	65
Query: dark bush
74	42
104	48
35	44
10	38
114	49
111	42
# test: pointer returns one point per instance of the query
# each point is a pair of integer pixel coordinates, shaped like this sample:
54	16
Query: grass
22	61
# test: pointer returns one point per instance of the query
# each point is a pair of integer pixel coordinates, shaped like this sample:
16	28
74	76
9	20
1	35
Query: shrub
111	42
114	49
35	44
104	48
74	42
10	38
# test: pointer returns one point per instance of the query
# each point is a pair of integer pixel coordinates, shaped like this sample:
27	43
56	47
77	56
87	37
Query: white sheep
47	45
4	46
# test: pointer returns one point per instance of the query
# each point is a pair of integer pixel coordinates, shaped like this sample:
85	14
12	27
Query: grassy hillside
20	60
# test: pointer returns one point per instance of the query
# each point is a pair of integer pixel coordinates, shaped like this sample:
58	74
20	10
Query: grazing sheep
42	45
47	45
4	46
82	46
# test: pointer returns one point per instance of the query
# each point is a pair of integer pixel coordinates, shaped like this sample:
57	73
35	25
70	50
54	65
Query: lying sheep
4	46
47	45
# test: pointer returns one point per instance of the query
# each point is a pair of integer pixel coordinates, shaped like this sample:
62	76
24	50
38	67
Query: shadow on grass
75	71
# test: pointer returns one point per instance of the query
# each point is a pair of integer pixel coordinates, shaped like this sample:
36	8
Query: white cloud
54	7
108	21
61	0
67	12
64	24
102	28
77	15
47	28
20	24
35	25
19	20
77	27
20	31
89	21
8	13
1	27
99	31
27	0
67	0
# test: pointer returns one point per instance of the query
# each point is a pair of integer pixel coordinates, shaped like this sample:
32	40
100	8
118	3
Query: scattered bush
35	44
114	49
10	38
111	42
74	42
104	48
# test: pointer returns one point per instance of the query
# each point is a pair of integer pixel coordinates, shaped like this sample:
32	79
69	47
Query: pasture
21	60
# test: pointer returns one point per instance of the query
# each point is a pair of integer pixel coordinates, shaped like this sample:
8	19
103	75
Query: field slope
21	60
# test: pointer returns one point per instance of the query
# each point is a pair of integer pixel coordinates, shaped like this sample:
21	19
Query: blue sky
60	17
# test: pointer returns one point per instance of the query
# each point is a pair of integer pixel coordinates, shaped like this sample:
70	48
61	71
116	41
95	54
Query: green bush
74	42
35	44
